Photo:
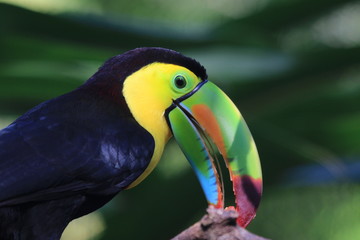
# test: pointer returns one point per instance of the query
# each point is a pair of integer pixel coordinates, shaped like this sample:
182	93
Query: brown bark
217	224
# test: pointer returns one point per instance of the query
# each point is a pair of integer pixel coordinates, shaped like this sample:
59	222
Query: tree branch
217	224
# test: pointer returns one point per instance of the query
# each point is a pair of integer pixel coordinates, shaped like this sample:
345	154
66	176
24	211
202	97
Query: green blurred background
291	66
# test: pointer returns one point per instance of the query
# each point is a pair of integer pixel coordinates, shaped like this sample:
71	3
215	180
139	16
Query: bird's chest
127	154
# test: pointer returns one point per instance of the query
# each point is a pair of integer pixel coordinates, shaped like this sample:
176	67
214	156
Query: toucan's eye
180	81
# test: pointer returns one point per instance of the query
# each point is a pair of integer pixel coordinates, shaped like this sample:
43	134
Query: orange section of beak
207	120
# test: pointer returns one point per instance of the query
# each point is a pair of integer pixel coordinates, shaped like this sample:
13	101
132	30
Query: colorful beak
204	122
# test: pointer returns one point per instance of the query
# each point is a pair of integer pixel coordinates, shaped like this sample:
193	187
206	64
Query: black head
123	65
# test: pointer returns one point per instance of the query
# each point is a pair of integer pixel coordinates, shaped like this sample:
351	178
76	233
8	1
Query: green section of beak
194	147
208	115
222	121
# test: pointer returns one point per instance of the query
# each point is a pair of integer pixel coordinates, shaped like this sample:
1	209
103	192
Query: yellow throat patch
148	93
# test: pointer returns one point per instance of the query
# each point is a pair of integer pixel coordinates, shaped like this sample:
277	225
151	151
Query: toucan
70	155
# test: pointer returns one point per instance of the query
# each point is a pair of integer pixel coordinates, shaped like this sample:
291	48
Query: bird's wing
44	158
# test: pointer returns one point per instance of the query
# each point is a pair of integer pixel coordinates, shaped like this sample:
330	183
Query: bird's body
70	155
78	148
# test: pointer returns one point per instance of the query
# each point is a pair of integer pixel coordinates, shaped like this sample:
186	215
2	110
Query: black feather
70	155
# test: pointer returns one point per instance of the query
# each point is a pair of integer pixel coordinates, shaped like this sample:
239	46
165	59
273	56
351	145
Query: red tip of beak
248	194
